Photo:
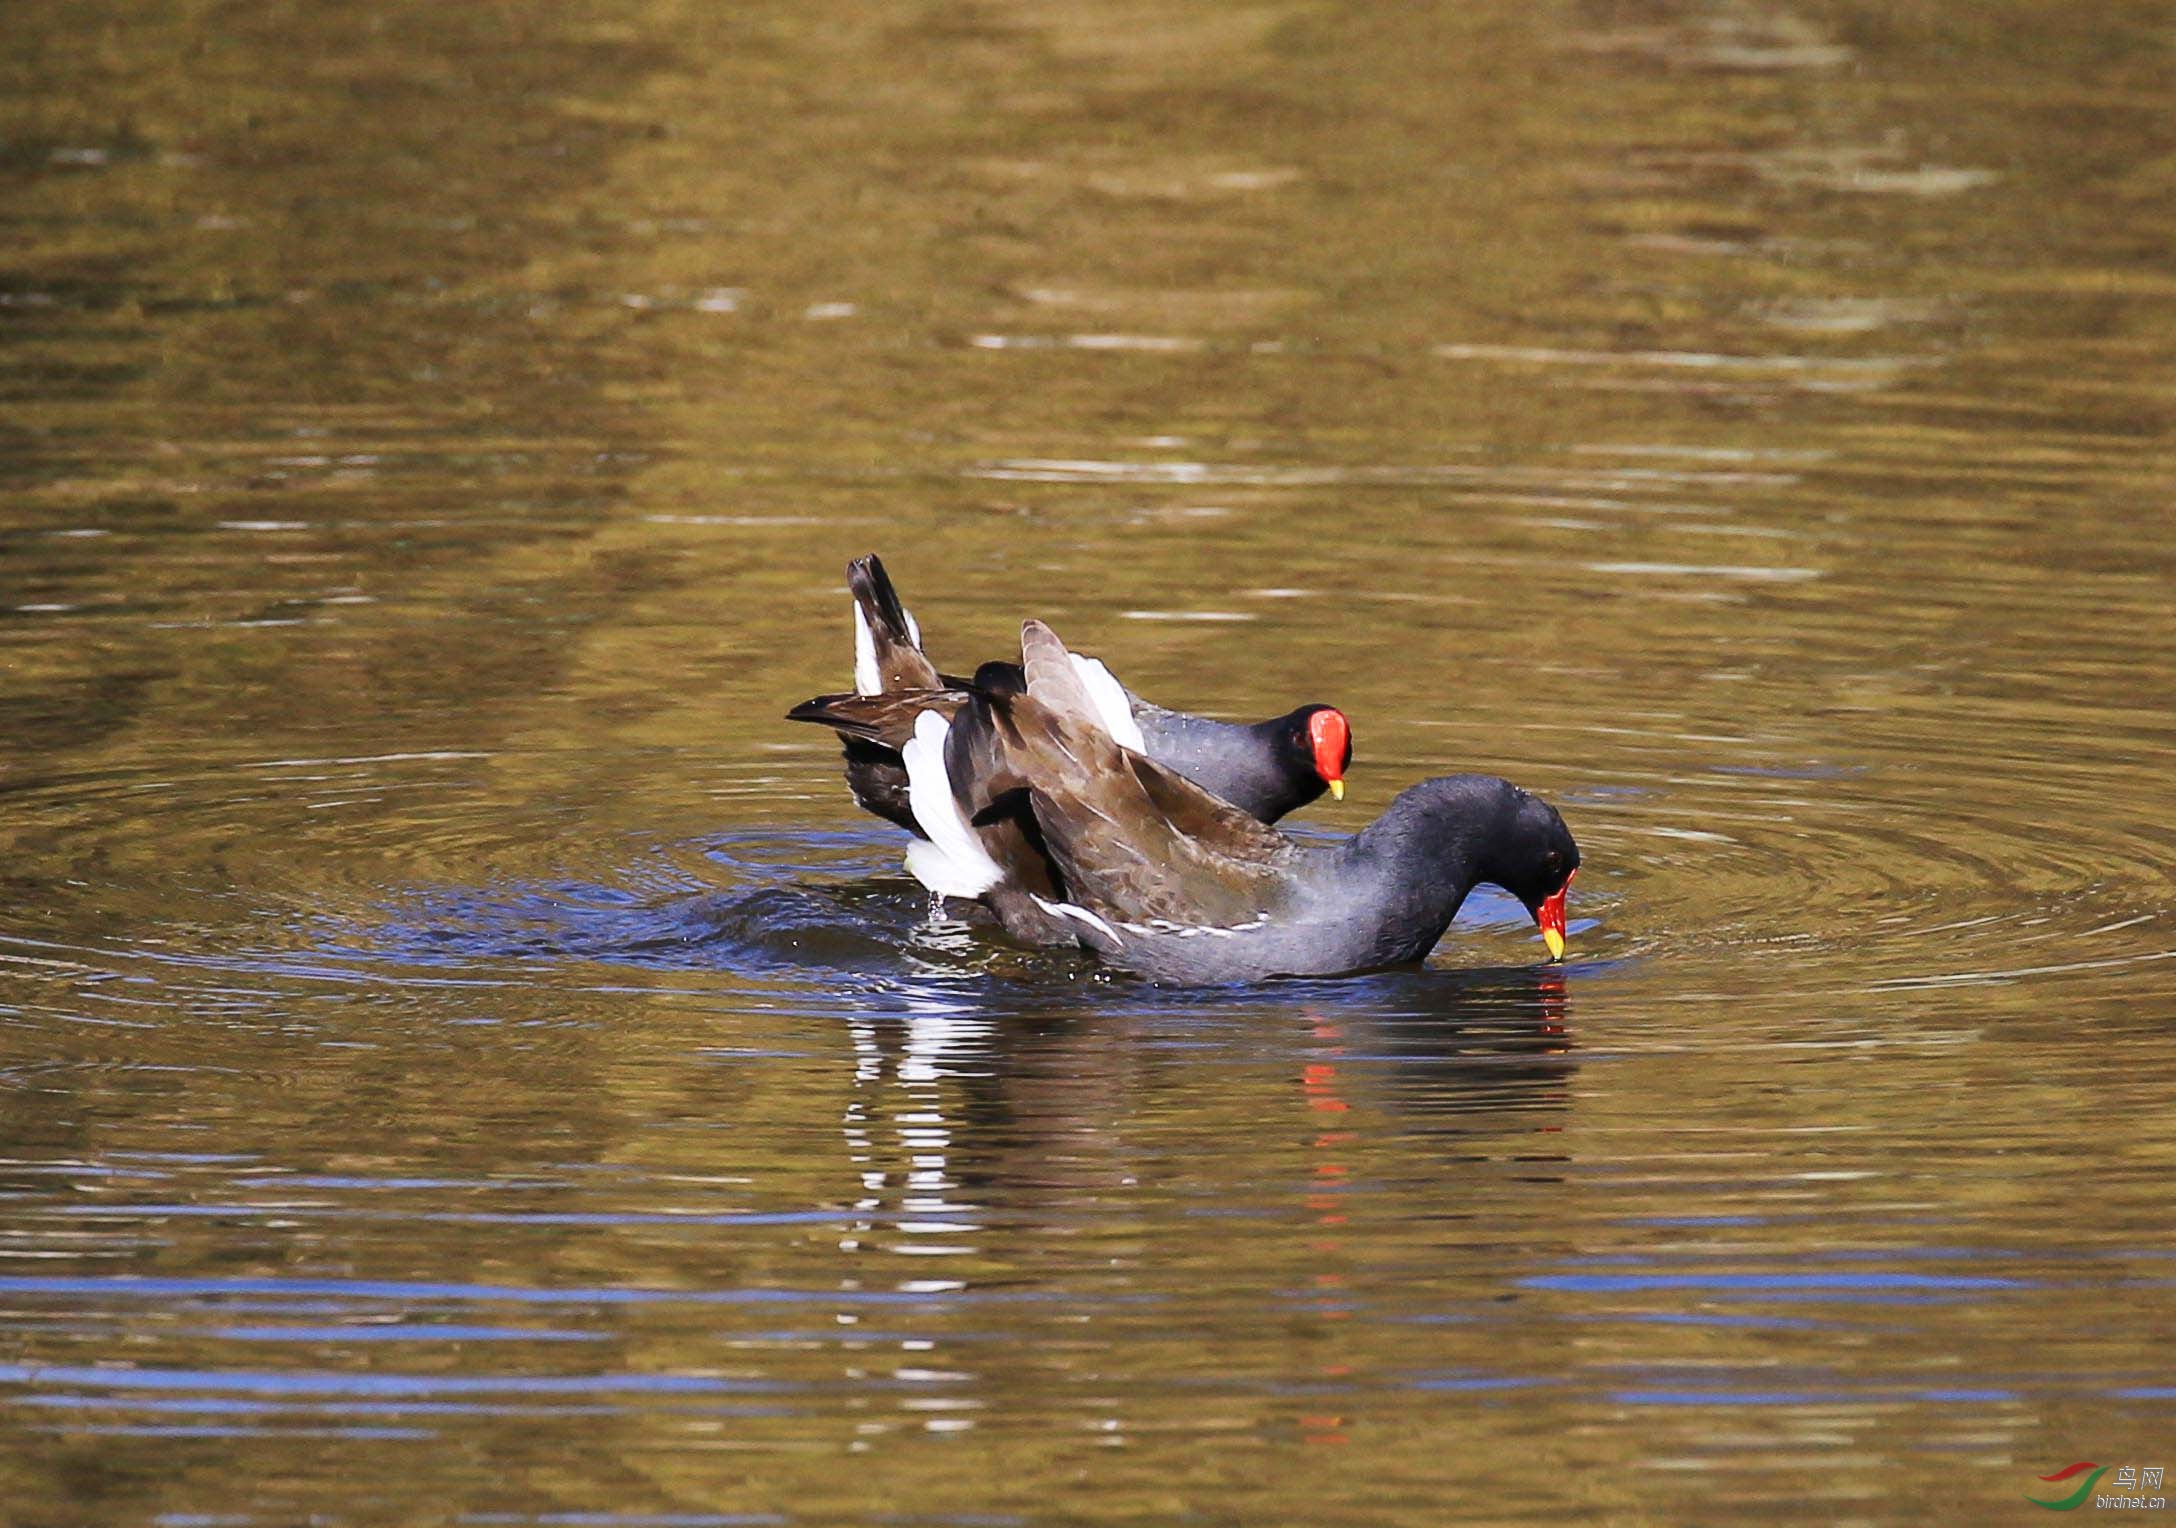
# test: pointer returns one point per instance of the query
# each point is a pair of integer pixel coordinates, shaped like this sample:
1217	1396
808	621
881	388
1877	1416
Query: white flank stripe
951	861
867	681
1196	930
1109	698
1079	915
914	627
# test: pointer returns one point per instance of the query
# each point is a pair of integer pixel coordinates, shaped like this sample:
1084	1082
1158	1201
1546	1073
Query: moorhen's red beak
1330	736
1549	917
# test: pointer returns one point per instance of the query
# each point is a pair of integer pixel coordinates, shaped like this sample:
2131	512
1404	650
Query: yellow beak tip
1555	941
1337	790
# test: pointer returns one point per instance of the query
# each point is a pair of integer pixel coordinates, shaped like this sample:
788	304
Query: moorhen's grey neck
1266	769
1439	839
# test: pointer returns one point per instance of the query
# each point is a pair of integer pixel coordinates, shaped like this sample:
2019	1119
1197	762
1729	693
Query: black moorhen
1159	877
1266	769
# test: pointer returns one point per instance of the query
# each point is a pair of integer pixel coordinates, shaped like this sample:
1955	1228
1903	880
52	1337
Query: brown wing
1129	838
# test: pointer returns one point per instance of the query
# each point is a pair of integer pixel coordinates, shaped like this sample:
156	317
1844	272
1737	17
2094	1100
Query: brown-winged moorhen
1018	792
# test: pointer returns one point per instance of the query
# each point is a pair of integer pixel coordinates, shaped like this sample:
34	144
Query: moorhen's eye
1551	863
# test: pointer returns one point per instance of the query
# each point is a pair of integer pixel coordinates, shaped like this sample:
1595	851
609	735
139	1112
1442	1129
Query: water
463	1061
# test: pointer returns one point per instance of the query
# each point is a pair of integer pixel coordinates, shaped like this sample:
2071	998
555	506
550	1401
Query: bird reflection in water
987	1124
934	1040
1484	1042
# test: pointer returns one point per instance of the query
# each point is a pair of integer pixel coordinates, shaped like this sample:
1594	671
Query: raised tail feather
887	639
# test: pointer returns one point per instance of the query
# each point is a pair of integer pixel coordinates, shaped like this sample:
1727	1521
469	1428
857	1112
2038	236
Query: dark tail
879	601
886	720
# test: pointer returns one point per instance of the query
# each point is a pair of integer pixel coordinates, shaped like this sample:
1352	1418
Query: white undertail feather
867	681
951	861
1109	698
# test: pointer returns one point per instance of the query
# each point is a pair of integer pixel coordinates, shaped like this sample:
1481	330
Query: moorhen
1266	769
1157	876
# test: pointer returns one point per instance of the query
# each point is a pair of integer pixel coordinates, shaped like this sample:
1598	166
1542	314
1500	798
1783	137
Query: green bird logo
2075	1499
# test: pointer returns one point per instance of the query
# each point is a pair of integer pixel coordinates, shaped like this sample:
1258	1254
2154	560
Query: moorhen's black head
1317	741
1532	856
